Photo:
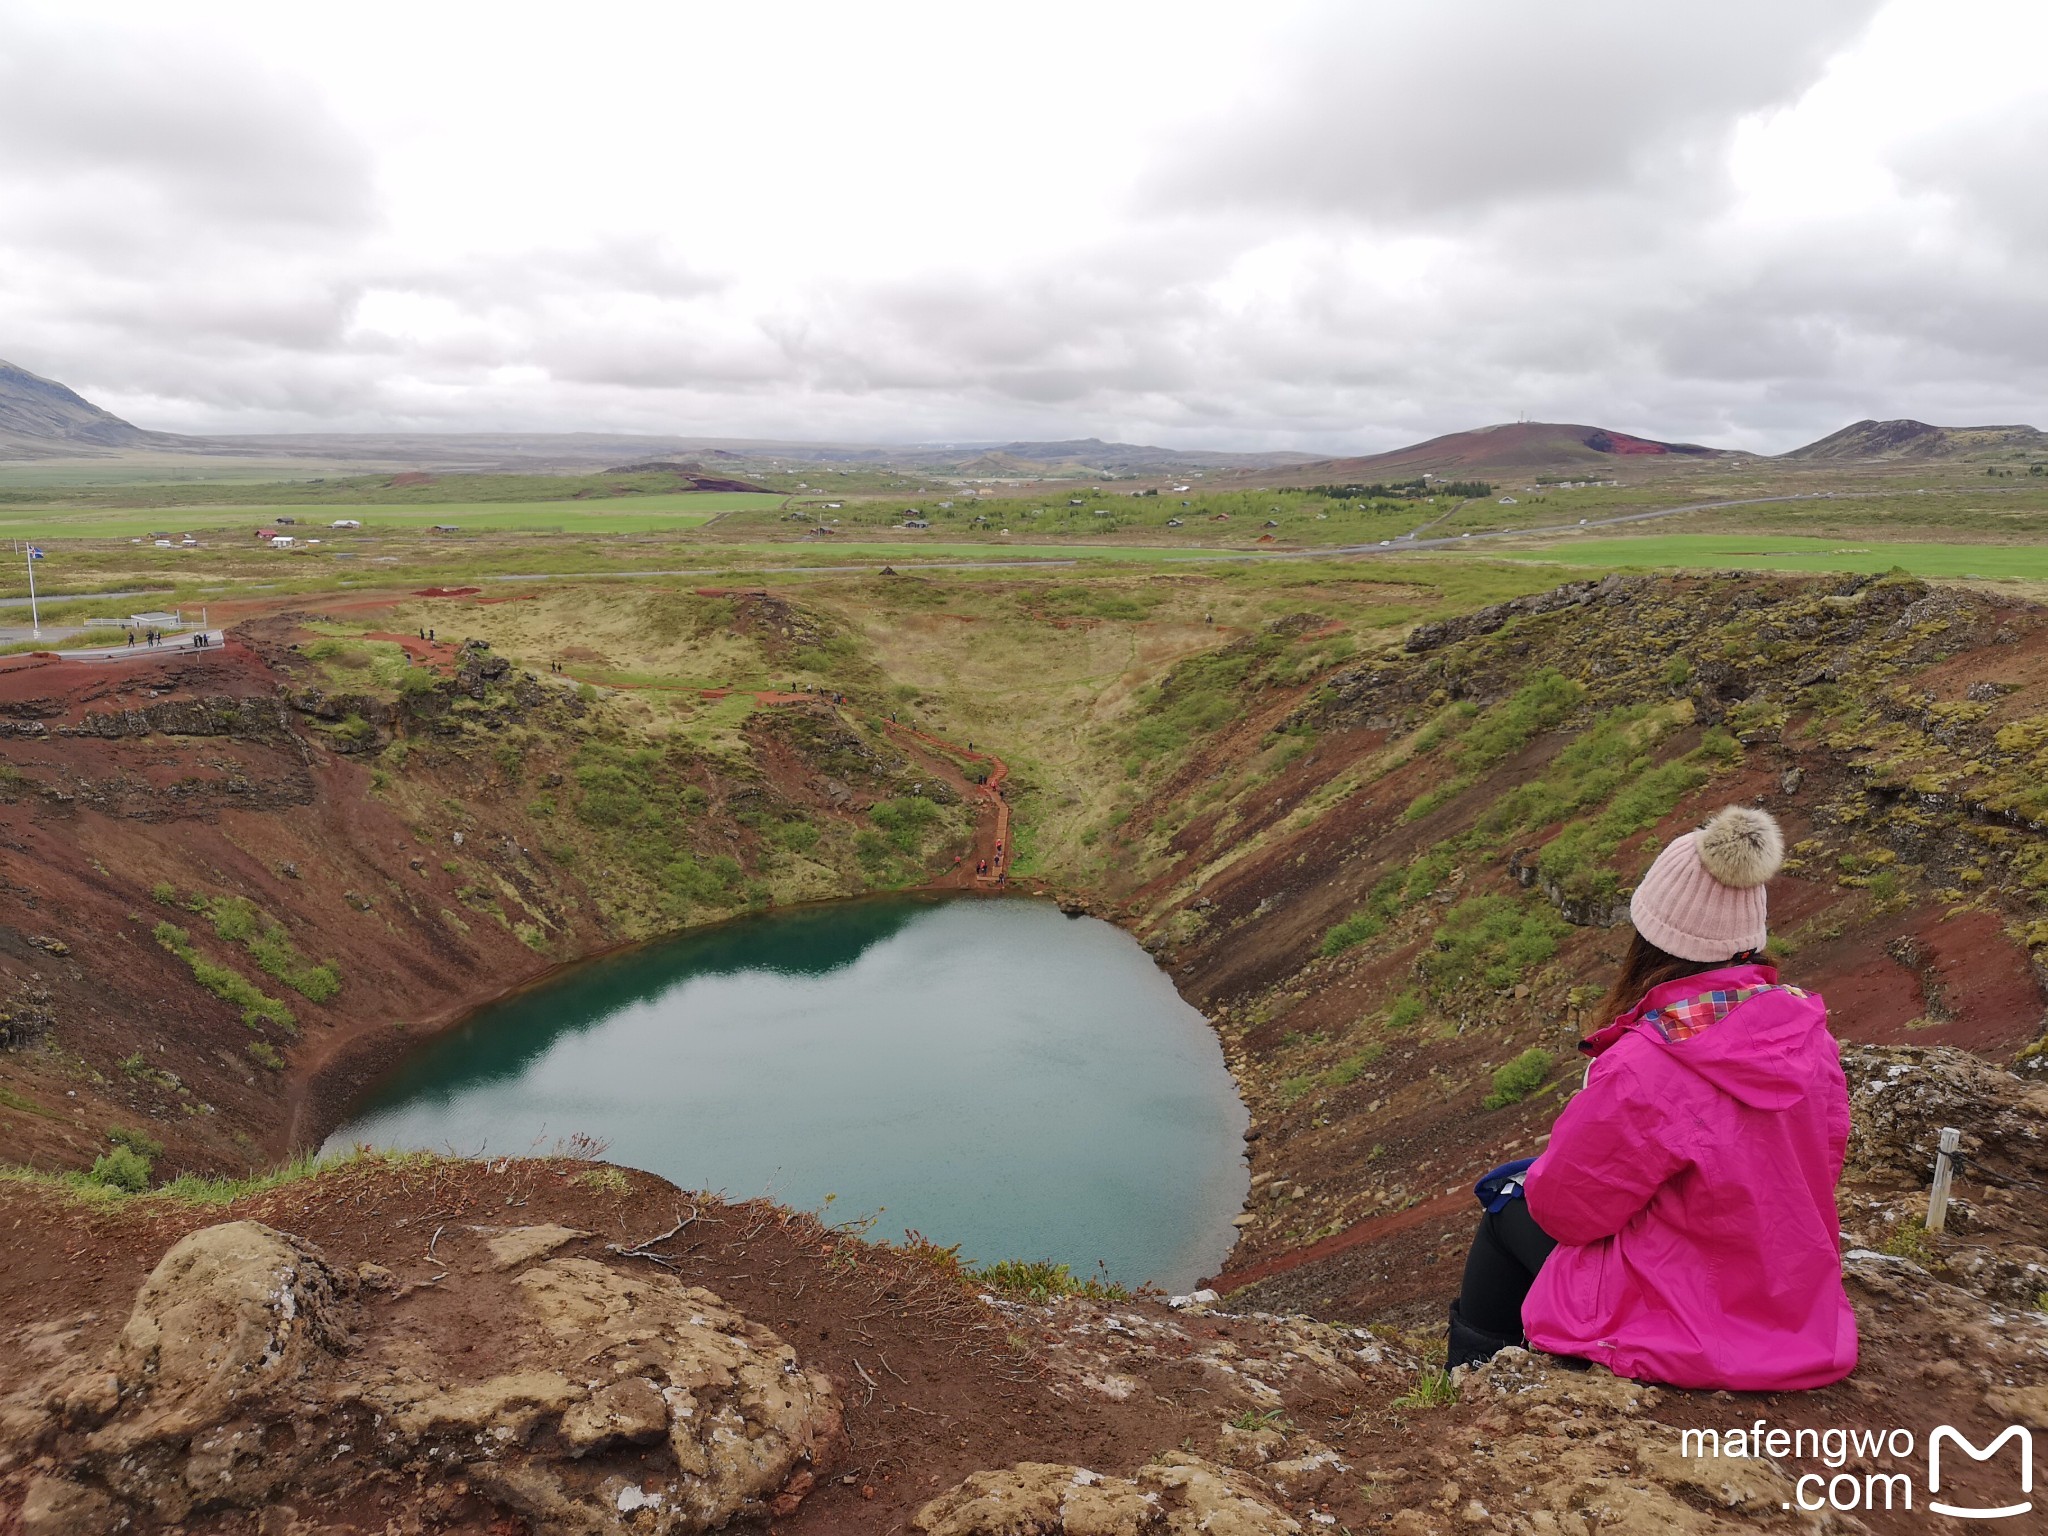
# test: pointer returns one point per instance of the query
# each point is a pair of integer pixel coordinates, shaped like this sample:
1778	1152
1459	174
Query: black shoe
1471	1346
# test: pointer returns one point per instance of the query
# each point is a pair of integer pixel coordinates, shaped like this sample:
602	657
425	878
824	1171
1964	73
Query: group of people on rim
1680	1224
155	637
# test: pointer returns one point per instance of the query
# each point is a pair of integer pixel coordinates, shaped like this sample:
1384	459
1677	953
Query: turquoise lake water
990	1073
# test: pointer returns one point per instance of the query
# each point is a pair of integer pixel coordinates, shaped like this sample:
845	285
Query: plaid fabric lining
1682	1020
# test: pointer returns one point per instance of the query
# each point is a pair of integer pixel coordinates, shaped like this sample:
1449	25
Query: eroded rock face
250	1370
1177	1495
1901	1096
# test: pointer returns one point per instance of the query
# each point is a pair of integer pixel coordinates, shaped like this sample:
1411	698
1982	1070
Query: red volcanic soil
134	786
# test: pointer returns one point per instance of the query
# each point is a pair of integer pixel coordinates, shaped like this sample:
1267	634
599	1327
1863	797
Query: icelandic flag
34	552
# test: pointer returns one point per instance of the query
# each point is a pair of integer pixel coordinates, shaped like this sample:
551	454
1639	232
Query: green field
644	514
1978	562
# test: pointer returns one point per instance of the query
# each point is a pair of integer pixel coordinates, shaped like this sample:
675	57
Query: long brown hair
1646	966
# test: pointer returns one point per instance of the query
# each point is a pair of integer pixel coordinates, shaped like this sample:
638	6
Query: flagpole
35	618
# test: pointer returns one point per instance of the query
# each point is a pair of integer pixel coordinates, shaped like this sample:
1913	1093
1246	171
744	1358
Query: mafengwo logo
1886	1461
1943	1434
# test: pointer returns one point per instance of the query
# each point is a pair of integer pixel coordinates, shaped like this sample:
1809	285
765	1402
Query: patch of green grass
1407	1011
1352	1067
27	1106
1433	1389
606	1180
1354	930
1520	1078
194	1189
1294	1089
1983	562
265	1056
905	820
1496	734
229	986
237	920
1496	938
1022	1280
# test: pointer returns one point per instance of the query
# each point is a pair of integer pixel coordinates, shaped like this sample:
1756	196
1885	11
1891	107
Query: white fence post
1944	1170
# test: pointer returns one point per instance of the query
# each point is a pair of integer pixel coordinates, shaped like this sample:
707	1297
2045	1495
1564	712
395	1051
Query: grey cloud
1435	107
193	238
151	118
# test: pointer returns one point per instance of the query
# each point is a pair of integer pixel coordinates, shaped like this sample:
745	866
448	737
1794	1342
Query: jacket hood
1753	1054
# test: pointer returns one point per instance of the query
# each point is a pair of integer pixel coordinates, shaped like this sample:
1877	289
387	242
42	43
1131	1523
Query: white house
346	522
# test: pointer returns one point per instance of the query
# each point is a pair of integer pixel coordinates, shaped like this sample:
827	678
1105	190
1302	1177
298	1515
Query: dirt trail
438	653
991	839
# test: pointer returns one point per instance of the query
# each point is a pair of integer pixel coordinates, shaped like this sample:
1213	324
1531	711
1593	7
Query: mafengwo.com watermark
1893	1468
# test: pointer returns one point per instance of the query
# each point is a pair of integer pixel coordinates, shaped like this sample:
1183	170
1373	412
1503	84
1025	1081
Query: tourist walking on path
1680	1226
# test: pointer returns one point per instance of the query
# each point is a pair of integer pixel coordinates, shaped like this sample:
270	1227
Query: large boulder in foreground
252	1373
1177	1495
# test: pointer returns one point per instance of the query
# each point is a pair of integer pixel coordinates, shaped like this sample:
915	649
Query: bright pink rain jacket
1691	1188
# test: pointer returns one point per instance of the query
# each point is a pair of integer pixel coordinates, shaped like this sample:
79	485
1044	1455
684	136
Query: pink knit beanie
1704	897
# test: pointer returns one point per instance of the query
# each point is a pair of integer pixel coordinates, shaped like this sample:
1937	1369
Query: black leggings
1506	1253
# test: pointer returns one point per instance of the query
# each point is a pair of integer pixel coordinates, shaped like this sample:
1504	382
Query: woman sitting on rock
1680	1226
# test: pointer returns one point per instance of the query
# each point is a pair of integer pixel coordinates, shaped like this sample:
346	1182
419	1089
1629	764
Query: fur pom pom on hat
1704	897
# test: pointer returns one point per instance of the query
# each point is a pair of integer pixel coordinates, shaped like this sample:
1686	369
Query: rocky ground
426	1345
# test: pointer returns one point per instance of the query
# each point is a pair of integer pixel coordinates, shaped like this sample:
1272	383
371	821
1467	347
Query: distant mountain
1513	447
1133	458
40	418
1887	440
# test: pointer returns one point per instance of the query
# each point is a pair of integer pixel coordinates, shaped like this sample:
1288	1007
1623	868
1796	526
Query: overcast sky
1196	222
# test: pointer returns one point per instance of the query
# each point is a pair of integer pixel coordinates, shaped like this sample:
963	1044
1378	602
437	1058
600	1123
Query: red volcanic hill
1517	446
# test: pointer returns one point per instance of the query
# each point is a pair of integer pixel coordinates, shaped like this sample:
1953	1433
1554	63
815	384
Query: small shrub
265	1056
139	1142
123	1168
1520	1078
1908	1240
164	894
606	1181
234	917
